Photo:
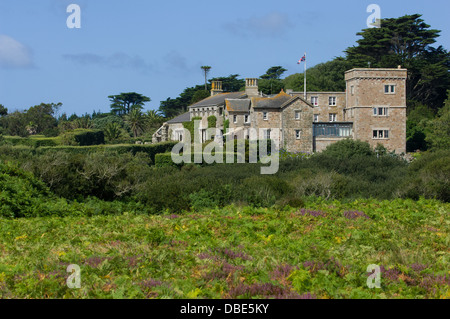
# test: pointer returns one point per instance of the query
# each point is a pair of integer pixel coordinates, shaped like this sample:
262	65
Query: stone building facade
372	109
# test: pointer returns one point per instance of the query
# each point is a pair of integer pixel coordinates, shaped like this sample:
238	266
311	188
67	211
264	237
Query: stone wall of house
273	121
365	122
176	130
323	109
290	125
206	111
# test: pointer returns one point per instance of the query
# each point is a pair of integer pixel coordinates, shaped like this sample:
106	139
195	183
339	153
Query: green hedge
31	141
151	149
90	138
83	137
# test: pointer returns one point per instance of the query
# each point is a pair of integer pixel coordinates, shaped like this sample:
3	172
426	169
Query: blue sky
156	48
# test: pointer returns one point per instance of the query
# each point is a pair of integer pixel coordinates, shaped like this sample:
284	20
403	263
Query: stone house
372	109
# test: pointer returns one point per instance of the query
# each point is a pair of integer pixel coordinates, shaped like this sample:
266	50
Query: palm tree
112	131
136	121
206	69
154	117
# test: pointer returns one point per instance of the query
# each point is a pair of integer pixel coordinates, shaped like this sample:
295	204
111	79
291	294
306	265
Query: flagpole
304	95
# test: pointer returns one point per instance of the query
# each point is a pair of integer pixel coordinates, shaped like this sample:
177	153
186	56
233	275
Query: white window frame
315	100
381	134
391	88
265	116
298	134
297	114
383	110
246	118
332	117
316	118
332	101
234	118
267	134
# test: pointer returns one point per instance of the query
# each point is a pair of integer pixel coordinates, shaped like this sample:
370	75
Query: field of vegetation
139	230
319	251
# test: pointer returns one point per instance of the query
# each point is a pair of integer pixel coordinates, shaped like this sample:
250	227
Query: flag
302	59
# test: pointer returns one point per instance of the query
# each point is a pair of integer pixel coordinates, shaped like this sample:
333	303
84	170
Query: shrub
212	121
348	148
429	176
163	160
83	137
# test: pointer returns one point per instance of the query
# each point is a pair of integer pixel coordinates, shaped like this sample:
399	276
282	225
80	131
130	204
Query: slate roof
218	99
238	105
276	102
185	117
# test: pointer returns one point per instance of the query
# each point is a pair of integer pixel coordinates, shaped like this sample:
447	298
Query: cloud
14	54
272	25
117	60
175	60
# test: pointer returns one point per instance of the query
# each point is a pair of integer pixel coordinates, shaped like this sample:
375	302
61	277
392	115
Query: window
332	101
380	134
333	129
267	134
265	116
316	117
234	118
380	111
389	89
352	90
220	111
246	118
297	134
297	115
314	100
333	117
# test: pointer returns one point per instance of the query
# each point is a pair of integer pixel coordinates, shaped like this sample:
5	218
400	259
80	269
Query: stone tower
376	104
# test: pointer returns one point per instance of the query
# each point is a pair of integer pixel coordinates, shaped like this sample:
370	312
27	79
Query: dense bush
164	159
429	176
23	195
106	175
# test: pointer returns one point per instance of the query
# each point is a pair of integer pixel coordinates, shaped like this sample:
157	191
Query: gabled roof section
218	99
185	117
275	102
238	105
295	98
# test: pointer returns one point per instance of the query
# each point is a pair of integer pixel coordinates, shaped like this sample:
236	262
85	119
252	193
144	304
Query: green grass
234	252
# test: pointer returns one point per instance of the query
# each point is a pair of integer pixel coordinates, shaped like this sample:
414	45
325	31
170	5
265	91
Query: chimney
216	88
251	87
